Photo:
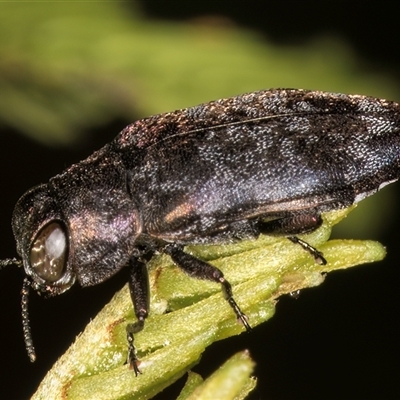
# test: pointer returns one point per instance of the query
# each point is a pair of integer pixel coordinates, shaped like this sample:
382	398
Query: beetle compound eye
49	252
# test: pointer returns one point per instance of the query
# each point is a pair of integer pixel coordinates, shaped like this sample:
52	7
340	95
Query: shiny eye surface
48	255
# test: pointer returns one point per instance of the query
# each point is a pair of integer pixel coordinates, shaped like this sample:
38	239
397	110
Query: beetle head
85	233
42	239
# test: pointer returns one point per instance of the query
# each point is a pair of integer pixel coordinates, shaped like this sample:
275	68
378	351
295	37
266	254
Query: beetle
268	162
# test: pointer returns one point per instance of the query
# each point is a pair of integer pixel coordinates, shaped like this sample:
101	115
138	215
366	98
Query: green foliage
172	343
231	382
66	67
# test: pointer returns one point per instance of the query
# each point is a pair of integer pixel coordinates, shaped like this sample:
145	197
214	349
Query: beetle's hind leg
139	290
294	223
202	270
318	256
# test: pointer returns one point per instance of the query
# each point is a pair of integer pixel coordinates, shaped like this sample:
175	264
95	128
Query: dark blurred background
74	74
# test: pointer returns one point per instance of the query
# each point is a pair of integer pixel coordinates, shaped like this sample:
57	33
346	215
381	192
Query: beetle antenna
26	327
10	261
24	305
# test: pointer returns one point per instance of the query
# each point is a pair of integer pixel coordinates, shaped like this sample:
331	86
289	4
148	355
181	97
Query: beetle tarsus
202	270
133	361
318	256
227	290
139	290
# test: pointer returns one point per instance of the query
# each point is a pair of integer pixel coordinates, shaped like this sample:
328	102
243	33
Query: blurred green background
72	74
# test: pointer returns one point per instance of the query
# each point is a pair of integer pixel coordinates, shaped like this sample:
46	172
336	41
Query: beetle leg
318	256
139	290
201	270
293	224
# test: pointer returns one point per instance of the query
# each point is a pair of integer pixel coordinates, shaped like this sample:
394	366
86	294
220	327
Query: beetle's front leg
201	270
139	290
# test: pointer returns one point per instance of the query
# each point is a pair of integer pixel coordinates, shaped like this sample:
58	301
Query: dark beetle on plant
267	162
